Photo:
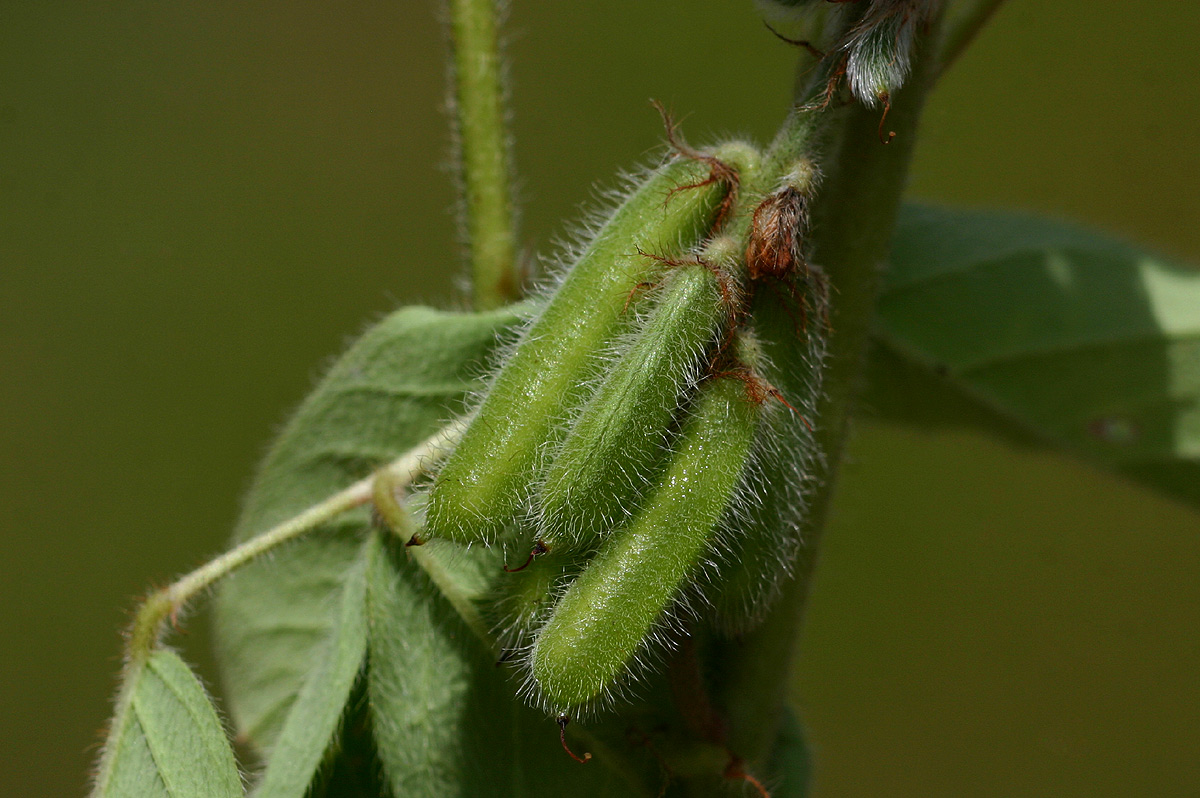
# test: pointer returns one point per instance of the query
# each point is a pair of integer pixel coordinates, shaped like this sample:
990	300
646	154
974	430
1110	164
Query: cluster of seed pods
646	446
623	443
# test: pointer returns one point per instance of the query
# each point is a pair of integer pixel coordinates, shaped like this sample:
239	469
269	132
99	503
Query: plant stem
147	628
795	138
960	30
484	158
853	220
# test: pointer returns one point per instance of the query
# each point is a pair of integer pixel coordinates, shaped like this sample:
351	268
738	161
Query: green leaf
166	739
446	719
1079	340
278	620
317	710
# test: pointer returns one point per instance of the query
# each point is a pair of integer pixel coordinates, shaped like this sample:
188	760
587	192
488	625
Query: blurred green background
200	202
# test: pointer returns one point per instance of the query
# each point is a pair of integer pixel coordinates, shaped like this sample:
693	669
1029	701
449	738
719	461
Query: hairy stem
484	159
795	138
166	603
853	219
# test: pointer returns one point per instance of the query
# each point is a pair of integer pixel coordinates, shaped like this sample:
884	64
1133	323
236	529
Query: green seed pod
486	483
609	459
611	612
790	316
757	549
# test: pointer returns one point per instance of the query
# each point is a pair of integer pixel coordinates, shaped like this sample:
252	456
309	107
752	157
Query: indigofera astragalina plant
560	544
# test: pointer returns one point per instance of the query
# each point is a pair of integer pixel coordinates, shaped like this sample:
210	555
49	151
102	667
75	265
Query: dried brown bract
774	249
775	254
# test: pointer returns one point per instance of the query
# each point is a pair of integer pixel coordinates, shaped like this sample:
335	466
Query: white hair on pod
566	249
688	607
752	537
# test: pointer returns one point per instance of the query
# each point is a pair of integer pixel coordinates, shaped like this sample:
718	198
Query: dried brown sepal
801	43
538	549
730	292
718	170
758	389
774	250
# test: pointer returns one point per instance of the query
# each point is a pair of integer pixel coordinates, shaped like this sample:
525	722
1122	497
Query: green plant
1027	302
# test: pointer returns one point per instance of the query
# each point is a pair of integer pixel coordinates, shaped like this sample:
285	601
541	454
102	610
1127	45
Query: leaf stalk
147	630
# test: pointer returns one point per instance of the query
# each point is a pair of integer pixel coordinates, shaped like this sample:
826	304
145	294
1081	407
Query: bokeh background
200	202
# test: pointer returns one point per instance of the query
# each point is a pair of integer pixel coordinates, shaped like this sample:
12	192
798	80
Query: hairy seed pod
770	536
612	610
486	483
790	318
760	548
608	460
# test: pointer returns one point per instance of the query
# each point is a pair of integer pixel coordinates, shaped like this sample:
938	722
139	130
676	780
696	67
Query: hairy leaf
317	710
166	739
1082	341
278	620
444	716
